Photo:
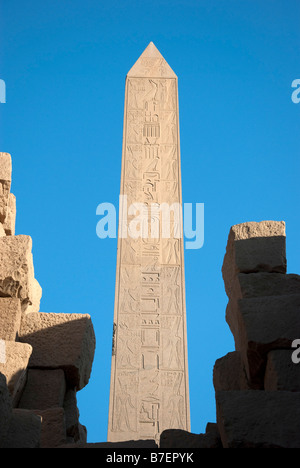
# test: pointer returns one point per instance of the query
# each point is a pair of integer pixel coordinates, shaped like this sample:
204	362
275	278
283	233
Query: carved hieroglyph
149	375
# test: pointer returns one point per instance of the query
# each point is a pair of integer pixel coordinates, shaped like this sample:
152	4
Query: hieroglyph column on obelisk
149	373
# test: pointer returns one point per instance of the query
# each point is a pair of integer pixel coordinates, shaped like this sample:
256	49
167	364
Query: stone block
72	414
14	367
178	438
44	389
229	373
5	166
254	247
16	268
247	285
82	434
3	202
9	224
10	318
281	373
61	341
5	184
258	419
53	430
2	232
261	324
24	430
36	298
5	408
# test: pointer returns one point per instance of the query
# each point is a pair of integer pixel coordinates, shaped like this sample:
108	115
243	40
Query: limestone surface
24	430
261	324
5	166
5	184
73	428
9	224
44	389
14	367
36	408
281	373
258	419
254	247
16	268
247	285
5	409
36	297
52	418
10	318
229	373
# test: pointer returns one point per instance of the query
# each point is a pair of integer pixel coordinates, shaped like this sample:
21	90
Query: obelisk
149	371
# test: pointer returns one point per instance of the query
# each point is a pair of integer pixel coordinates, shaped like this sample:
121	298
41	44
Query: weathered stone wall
45	358
257	386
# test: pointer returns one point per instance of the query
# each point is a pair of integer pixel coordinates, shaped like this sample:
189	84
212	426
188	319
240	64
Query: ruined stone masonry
45	358
257	386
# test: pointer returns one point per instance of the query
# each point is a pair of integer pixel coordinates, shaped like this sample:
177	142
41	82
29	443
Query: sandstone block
3	202
10	318
24	430
281	373
5	184
254	247
5	408
261	324
2	232
82	434
247	285
229	373
16	268
35	298
258	419
44	389
53	430
72	415
10	220
61	341
178	438
14	367
5	166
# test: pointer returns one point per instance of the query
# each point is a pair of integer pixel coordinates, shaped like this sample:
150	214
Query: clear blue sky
64	63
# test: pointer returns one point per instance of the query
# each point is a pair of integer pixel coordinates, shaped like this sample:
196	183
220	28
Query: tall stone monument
149	374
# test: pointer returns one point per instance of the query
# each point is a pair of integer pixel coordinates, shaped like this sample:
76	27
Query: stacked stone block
45	358
257	385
